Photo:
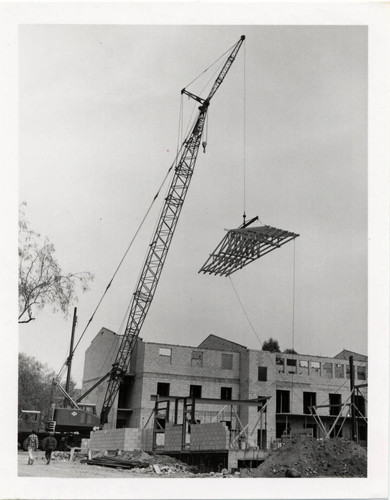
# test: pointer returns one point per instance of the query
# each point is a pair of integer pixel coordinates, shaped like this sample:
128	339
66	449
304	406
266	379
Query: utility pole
69	360
353	408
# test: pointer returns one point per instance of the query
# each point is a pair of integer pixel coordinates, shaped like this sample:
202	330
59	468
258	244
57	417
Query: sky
287	140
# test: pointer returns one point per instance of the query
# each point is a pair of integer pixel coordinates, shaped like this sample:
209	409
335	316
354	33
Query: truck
70	425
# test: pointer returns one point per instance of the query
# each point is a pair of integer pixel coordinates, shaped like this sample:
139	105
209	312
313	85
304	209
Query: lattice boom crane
161	239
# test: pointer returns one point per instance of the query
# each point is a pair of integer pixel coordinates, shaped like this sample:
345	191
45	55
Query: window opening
282	401
335	404
226	393
162	389
165	352
196	391
292	365
309	400
339	370
303	367
197	358
315	367
280	364
327	370
262	374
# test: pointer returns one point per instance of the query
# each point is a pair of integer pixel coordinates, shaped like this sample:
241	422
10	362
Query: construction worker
32	445
49	444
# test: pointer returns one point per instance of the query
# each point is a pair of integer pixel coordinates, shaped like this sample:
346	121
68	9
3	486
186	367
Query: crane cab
82	419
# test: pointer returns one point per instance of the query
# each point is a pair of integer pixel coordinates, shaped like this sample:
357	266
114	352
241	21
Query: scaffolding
184	414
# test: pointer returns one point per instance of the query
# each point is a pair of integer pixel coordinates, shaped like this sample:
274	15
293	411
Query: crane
160	243
161	240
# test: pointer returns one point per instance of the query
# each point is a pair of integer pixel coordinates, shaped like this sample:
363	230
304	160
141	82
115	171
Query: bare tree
41	279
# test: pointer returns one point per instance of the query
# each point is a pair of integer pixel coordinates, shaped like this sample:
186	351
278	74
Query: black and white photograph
197	210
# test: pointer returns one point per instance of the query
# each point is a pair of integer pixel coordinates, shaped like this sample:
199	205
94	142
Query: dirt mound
336	457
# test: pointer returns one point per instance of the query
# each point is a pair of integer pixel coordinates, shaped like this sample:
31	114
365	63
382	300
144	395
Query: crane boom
161	240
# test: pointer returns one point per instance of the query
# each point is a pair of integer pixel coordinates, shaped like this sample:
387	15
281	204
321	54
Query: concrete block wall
100	354
180	386
251	388
173	437
210	436
180	361
125	439
147	440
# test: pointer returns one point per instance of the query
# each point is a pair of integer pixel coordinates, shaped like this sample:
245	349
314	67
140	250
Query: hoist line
111	350
212	64
244	216
293	304
195	105
60	373
180	128
266	352
243	309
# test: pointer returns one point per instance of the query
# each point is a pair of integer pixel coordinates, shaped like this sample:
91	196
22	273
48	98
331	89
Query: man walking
49	444
32	445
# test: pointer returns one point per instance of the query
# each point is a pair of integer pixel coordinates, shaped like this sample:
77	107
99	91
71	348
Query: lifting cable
60	373
211	78
254	330
293	318
212	64
244	138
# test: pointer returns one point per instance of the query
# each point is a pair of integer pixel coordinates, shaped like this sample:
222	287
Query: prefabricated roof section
244	245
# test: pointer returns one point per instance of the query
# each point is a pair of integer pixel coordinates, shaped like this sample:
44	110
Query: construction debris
244	245
307	457
59	455
139	461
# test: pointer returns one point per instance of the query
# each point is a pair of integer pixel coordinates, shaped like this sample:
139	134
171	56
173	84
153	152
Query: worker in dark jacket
49	444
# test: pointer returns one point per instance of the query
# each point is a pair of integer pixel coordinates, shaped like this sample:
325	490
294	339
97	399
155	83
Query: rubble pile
139	461
306	457
59	455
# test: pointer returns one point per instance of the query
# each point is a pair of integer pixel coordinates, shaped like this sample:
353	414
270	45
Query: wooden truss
242	246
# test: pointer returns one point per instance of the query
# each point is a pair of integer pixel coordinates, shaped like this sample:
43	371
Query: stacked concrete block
147	440
173	437
126	439
211	436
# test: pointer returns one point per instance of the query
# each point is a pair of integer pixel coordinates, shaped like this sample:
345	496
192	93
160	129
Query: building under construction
221	402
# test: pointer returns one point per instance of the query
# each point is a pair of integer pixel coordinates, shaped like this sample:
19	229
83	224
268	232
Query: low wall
173	437
116	439
211	436
147	444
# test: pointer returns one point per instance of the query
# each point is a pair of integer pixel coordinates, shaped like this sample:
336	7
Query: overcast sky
99	114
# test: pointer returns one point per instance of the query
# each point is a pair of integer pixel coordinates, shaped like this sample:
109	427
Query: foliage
290	351
271	345
41	279
35	382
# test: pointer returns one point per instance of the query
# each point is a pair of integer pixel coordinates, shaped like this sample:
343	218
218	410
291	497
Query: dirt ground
61	467
306	457
64	468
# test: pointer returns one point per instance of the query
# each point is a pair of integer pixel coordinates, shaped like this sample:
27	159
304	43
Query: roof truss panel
242	246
